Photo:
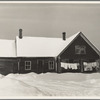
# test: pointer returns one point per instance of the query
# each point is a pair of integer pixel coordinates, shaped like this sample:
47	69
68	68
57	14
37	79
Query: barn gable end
79	50
79	41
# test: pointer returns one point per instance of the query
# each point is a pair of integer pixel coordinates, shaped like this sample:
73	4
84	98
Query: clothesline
69	65
92	64
75	65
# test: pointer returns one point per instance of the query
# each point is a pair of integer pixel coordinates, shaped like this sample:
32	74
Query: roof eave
68	44
84	37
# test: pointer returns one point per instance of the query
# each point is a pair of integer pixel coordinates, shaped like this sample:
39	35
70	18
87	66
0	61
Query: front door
40	66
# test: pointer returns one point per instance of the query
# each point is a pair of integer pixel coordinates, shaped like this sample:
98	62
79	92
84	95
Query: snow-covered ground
50	84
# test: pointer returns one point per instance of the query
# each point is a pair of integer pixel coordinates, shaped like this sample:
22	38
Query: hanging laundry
76	66
69	65
90	66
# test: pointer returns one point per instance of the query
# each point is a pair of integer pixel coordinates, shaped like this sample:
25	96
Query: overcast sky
50	20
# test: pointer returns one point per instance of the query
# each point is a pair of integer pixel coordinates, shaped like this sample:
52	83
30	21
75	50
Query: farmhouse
40	54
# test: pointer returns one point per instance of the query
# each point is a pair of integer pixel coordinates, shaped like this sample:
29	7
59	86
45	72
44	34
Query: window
51	65
80	49
27	65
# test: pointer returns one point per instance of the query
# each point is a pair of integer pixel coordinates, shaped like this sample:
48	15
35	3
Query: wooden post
55	64
37	66
18	65
82	66
58	65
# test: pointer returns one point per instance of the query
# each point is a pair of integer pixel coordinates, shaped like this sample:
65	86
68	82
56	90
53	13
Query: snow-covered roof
41	46
7	48
38	46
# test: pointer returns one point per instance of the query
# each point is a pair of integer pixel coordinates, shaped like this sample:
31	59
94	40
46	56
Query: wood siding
69	53
17	65
38	65
8	65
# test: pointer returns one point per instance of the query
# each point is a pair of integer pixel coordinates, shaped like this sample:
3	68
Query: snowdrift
50	84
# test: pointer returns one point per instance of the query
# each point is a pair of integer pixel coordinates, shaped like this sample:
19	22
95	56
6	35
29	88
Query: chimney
20	33
64	36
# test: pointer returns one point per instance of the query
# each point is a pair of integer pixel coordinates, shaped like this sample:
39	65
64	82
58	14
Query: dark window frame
51	65
80	49
27	65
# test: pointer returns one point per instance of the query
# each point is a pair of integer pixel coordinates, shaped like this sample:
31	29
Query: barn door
40	66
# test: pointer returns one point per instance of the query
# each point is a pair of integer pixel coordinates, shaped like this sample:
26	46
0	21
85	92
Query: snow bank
14	87
50	84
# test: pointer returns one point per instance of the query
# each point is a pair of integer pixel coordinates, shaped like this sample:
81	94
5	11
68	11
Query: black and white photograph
49	49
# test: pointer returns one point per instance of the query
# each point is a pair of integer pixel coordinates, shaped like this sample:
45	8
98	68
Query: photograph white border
51	97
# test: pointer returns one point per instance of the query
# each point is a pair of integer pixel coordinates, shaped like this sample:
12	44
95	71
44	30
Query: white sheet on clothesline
69	65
